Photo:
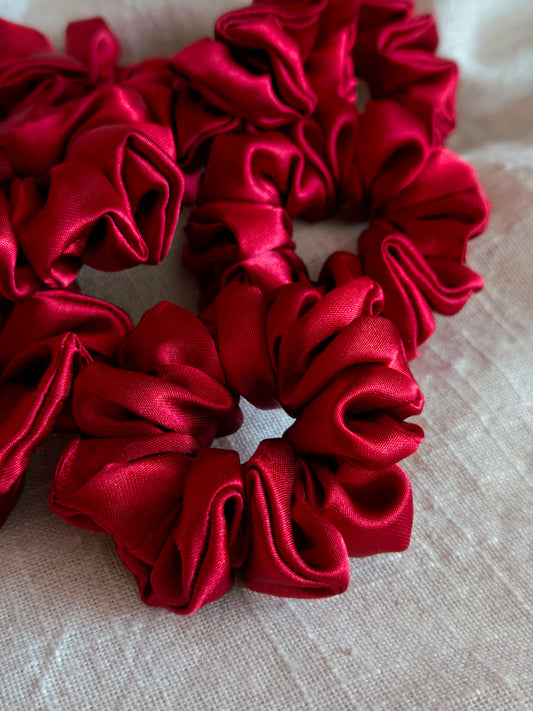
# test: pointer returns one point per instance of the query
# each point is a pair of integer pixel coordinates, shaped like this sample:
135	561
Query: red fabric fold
263	49
34	387
169	380
44	342
93	44
294	551
176	513
414	286
329	360
373	510
365	409
395	55
297	339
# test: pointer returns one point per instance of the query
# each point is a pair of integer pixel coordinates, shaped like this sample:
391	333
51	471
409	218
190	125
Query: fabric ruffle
395	56
242	228
423	204
168	379
286	523
279	55
316	354
176	513
274	63
45	341
80	125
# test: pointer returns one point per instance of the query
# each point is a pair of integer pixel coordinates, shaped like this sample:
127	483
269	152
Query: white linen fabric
445	625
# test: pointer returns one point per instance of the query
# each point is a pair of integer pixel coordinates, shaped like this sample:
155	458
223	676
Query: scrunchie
185	516
423	202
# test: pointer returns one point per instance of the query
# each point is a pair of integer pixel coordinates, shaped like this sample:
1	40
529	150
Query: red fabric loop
82	126
185	516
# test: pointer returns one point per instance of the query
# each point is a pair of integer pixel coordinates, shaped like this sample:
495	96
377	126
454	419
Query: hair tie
79	126
185	516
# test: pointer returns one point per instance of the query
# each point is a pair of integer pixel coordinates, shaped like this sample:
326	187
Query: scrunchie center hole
317	241
363	95
257	426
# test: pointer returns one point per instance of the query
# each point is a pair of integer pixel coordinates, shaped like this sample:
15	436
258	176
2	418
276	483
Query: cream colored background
446	625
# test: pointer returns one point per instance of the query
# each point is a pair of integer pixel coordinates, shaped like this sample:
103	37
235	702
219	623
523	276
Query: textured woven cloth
446	625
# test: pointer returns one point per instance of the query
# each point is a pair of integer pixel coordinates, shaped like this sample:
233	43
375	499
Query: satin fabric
168	378
275	63
176	517
281	56
387	162
306	515
278	55
185	516
395	56
423	204
184	519
269	66
44	343
315	354
242	229
293	59
80	125
279	83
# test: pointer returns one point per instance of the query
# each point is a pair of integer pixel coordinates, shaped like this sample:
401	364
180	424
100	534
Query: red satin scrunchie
387	164
80	126
423	203
184	516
